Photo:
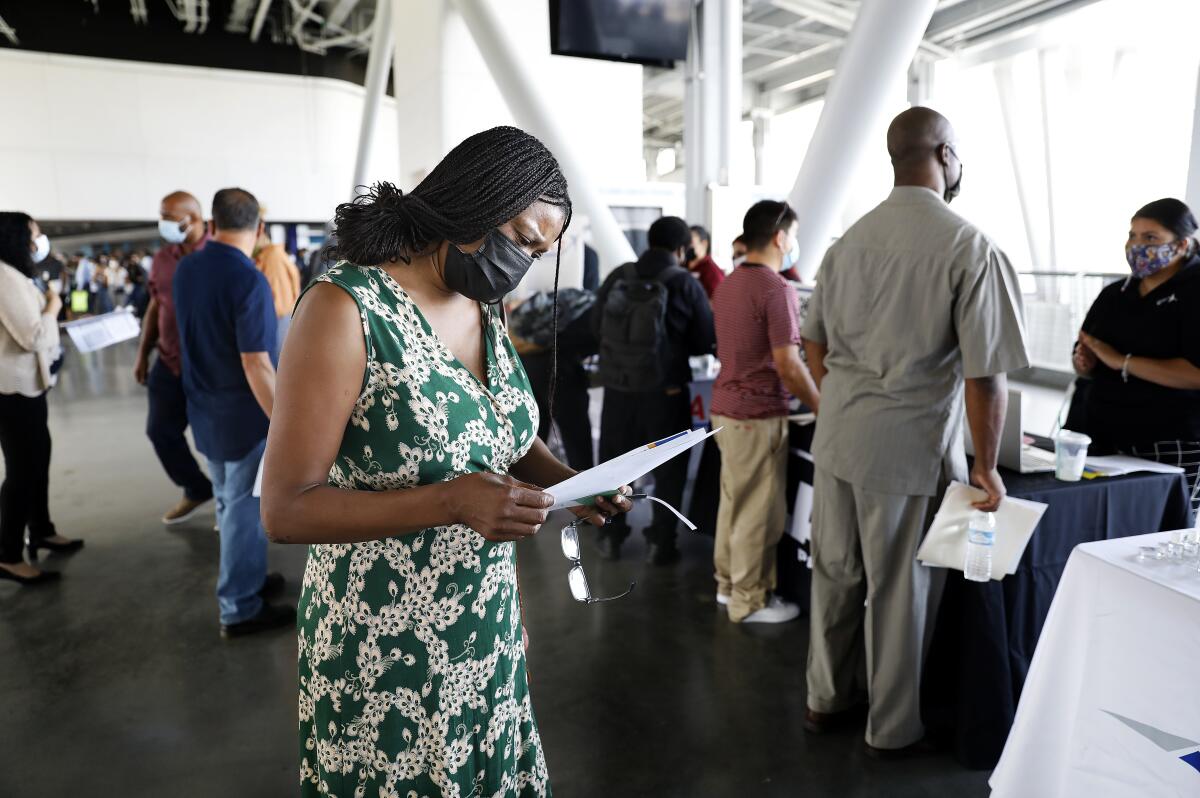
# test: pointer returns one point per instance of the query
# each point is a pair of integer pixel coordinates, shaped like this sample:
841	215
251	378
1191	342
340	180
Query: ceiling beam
842	19
795	58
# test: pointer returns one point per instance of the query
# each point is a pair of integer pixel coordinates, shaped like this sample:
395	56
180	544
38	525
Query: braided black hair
482	183
15	237
486	180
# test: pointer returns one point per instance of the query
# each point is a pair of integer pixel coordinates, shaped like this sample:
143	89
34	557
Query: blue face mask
171	231
792	256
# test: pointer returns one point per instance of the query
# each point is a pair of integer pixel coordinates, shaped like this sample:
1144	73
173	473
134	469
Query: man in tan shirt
283	277
912	301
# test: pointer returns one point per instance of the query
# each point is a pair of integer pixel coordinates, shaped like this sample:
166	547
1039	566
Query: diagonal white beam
879	49
339	13
534	112
8	32
260	16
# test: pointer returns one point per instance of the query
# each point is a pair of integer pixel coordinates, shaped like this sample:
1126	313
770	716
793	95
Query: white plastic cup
1070	453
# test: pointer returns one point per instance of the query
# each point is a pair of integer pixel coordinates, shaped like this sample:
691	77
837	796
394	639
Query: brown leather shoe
825	722
183	511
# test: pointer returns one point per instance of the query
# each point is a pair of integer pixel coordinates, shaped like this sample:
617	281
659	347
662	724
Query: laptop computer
1015	454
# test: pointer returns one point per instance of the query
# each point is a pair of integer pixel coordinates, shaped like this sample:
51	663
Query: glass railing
1055	306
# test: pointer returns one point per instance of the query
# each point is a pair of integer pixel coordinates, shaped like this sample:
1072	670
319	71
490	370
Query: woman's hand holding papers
496	506
606	507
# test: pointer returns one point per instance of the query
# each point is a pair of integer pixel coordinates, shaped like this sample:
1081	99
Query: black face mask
490	272
952	191
689	255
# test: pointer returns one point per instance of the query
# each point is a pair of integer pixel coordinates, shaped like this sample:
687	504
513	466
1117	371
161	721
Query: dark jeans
25	495
570	405
165	426
629	420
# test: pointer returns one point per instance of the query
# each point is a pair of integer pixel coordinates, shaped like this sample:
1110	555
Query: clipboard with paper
607	478
945	544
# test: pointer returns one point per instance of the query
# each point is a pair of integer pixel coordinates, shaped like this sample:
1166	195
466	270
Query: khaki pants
753	509
864	547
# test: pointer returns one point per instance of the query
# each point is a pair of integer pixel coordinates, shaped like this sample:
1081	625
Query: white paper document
97	332
606	478
1118	464
945	545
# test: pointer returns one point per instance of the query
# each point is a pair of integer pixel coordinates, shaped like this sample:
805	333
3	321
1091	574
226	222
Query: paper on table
97	332
606	478
945	544
1118	464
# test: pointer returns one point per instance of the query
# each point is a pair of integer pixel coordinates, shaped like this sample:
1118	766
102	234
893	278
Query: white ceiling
790	50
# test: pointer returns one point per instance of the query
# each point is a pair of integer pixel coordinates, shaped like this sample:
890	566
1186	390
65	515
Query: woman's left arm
1174	372
540	467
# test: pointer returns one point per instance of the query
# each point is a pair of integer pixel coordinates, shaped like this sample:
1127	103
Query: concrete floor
115	681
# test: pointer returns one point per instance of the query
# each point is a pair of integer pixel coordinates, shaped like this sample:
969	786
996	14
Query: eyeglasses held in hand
576	578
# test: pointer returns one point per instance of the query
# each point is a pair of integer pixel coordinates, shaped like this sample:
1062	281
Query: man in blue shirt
226	319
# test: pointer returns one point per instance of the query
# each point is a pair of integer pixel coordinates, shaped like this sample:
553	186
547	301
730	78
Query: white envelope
945	544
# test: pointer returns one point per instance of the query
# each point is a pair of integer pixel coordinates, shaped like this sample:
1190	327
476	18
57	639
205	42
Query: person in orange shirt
283	277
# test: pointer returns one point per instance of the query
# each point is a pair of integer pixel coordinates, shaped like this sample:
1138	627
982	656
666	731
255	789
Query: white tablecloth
1111	706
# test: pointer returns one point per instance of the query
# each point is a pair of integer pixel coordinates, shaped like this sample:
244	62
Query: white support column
379	63
878	49
1193	182
695	191
920	81
710	105
730	79
762	128
533	113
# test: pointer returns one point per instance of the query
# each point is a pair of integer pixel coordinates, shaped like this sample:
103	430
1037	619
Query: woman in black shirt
1140	344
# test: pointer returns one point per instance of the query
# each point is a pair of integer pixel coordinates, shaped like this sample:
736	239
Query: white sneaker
776	611
722	599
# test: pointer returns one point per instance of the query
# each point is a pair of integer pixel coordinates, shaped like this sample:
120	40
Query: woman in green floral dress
403	448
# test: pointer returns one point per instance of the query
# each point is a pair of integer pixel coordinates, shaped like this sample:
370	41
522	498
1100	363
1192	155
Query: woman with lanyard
1140	344
403	448
29	356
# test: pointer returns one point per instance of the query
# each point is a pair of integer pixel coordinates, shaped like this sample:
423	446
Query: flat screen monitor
651	32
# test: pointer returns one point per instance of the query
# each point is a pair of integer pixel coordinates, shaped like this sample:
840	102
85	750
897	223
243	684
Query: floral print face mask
1147	259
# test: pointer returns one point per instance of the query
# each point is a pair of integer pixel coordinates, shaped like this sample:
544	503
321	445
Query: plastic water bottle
981	534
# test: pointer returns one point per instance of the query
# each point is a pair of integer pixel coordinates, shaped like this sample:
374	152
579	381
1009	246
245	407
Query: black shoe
58	548
271	616
609	546
273	585
662	554
42	578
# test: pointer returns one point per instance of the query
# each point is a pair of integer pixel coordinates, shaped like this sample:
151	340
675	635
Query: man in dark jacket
637	414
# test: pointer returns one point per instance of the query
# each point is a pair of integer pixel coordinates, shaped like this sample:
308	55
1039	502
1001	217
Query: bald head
182	207
923	148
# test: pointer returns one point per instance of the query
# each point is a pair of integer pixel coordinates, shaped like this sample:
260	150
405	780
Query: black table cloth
986	633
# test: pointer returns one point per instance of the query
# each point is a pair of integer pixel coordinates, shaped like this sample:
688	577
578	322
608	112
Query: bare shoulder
326	324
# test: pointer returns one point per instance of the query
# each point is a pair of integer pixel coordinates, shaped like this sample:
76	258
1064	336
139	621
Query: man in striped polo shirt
758	338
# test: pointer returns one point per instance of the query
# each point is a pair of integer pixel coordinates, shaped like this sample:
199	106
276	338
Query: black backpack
633	331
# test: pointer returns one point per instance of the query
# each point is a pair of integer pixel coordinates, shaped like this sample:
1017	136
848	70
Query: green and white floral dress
412	670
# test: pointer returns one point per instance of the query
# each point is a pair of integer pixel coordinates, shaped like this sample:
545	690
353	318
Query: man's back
755	312
912	299
688	319
223	308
